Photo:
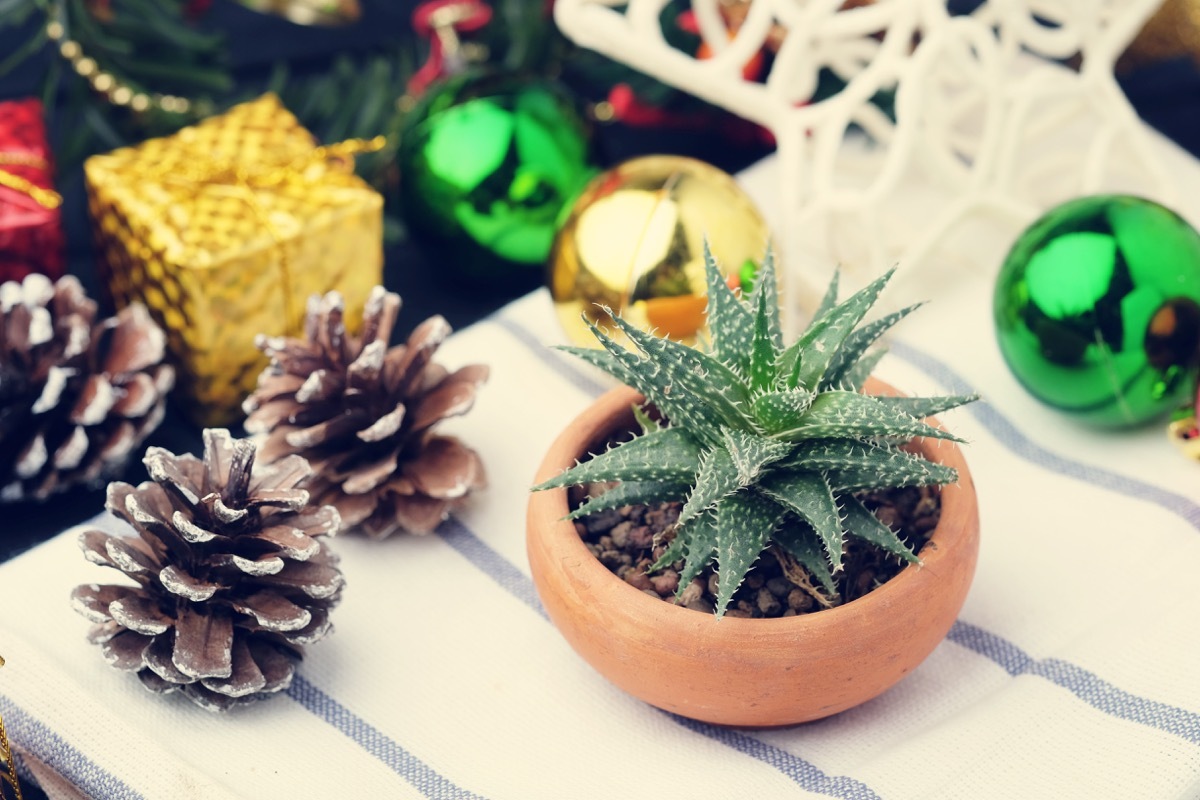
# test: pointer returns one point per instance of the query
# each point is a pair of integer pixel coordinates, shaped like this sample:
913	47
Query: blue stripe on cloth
424	778
552	358
805	774
496	566
1020	444
1087	686
1090	688
58	754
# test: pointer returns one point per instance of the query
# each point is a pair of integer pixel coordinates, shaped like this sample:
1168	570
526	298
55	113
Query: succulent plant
763	442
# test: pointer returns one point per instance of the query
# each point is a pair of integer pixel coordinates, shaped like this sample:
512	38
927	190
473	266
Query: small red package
31	235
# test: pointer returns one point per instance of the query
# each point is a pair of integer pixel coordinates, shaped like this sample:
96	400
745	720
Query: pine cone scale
366	478
136	343
139	615
274	612
125	650
418	513
329	430
245	677
157	659
98	634
186	586
451	398
291	542
445	469
203	643
385	427
92	600
70	453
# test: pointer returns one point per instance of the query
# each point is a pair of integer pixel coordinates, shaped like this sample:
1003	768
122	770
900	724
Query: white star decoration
982	130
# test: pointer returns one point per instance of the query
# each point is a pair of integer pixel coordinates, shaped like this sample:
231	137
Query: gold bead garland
8	769
117	92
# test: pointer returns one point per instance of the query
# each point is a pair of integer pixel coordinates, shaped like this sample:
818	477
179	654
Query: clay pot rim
604	414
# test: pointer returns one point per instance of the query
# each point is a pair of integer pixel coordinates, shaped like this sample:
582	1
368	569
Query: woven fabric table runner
1073	671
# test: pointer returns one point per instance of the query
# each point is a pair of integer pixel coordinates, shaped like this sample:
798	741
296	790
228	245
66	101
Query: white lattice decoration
981	128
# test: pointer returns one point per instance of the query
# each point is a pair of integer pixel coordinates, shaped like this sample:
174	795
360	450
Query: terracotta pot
735	671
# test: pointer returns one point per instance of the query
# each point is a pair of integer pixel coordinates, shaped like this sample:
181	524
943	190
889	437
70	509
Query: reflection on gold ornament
8	770
634	242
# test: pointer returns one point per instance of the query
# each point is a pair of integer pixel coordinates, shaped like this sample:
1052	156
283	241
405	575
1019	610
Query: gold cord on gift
247	179
8	769
47	198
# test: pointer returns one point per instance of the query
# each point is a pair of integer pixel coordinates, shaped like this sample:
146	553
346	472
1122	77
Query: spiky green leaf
730	323
676	549
839	414
856	377
686	371
669	455
684	409
805	362
887	465
808	496
828	301
763	348
621	369
724	470
781	410
716	478
631	493
866	526
766	296
921	407
701	545
915	472
644	420
856	344
745	522
802	542
752	453
768	337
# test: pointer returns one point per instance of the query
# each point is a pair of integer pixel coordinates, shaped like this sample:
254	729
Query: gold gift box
224	230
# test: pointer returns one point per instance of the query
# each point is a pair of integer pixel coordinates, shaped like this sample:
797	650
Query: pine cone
363	415
76	398
231	579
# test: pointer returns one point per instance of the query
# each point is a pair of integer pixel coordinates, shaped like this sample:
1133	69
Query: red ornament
31	236
630	110
441	21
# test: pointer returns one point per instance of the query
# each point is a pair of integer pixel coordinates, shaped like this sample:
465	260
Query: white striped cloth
1073	672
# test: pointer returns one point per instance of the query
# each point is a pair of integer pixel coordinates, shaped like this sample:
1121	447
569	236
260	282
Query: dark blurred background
319	66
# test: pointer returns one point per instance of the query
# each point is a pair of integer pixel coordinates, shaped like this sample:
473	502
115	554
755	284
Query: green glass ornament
487	162
1097	308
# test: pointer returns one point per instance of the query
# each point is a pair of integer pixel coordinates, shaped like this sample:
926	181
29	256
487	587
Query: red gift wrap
31	235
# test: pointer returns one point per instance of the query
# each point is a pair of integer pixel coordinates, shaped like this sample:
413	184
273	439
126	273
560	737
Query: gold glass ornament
224	230
634	242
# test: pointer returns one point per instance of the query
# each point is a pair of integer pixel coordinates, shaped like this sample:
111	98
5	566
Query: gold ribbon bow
247	178
47	198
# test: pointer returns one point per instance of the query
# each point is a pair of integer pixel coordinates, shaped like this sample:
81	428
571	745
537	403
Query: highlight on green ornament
487	164
1097	309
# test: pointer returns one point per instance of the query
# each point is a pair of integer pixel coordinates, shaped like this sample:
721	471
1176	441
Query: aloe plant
763	442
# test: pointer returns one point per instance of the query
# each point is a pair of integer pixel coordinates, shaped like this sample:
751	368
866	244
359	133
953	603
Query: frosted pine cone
76	397
231	577
364	416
